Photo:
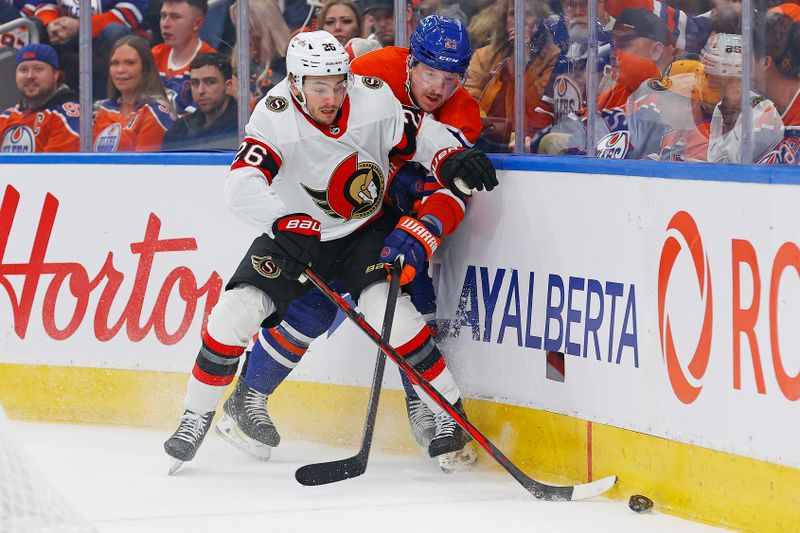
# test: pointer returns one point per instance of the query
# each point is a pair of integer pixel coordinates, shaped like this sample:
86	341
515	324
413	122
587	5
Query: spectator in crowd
445	8
722	61
777	74
269	37
214	124
490	77
379	15
111	19
46	118
342	19
669	119
8	12
180	24
136	115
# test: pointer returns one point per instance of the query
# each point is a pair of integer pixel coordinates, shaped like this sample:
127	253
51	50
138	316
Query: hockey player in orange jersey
46	119
135	116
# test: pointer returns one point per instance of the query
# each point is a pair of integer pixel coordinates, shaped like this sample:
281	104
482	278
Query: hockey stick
333	471
538	489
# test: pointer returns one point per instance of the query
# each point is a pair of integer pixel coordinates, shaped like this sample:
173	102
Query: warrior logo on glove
355	190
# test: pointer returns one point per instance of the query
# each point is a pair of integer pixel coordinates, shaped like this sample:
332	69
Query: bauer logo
587	318
18	140
686	366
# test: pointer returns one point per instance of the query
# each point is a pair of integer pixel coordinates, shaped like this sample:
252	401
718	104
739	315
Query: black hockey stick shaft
339	470
538	489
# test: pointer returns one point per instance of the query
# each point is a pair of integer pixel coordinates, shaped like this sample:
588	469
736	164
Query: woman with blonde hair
135	116
269	38
342	19
490	77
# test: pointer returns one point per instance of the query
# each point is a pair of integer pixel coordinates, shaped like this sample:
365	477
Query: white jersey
767	131
337	174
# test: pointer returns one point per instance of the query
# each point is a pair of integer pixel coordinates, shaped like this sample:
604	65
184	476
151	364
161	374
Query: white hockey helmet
722	55
316	53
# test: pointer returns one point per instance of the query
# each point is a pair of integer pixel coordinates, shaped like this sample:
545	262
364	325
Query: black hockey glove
297	237
465	170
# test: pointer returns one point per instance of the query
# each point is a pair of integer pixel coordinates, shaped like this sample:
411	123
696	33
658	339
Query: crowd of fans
668	73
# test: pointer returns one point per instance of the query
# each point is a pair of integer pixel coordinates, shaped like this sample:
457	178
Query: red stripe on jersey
221	349
256	154
286	343
434	371
210	379
440	156
415	343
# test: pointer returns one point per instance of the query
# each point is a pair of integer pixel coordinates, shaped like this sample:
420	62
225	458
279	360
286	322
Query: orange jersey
140	131
460	111
176	81
50	128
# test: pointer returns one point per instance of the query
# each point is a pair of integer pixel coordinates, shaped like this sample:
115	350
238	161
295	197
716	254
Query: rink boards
672	291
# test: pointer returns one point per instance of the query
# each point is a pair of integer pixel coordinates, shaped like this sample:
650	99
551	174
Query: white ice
117	478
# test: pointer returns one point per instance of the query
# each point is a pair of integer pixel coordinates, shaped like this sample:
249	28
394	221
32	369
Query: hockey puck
640	504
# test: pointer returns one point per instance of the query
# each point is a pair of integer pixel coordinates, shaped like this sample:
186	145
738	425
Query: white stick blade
595	488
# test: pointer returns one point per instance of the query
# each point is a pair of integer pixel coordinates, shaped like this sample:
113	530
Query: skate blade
174	465
229	430
458	461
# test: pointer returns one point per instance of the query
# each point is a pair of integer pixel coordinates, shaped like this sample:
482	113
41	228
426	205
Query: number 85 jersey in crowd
337	173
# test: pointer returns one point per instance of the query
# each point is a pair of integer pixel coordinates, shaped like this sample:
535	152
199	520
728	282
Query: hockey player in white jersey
311	174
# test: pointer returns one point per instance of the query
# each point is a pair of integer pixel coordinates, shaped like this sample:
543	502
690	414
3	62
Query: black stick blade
324	473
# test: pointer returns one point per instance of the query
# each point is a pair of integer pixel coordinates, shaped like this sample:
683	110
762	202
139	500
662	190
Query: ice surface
117	477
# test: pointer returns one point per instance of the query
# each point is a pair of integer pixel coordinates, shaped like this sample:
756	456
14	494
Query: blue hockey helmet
441	43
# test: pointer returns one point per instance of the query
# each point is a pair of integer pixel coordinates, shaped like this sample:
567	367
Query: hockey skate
451	445
246	423
421	419
183	444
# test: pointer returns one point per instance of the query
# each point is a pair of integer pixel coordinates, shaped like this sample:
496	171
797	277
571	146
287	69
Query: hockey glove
414	239
407	185
465	170
297	238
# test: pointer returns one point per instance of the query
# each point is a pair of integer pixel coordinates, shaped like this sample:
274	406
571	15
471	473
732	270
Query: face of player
125	69
36	81
209	88
383	20
341	22
324	97
430	87
180	23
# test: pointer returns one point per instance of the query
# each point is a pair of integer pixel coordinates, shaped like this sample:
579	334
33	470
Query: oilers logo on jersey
108	140
567	97
18	140
355	190
614	145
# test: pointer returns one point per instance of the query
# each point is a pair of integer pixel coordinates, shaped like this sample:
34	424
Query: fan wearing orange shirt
135	116
46	117
180	25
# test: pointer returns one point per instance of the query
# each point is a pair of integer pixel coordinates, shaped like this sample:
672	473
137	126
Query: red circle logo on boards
683	223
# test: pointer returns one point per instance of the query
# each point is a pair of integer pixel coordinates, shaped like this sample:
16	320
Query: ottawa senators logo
277	103
372	83
265	266
355	190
